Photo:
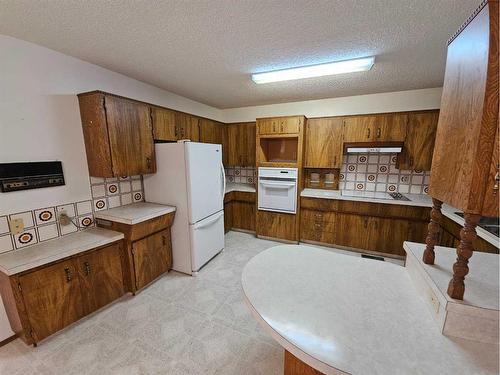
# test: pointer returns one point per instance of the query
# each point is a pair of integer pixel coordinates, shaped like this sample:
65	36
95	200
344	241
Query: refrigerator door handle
223	182
209	222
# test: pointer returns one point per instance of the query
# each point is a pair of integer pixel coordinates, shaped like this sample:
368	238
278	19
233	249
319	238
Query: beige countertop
417	200
235	186
134	213
306	298
46	252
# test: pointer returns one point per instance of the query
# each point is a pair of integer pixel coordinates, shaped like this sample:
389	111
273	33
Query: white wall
411	100
40	118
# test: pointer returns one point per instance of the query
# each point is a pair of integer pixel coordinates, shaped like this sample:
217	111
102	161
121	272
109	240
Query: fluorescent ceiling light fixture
328	69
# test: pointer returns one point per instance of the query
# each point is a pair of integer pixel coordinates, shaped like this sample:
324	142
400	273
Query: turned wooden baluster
433	232
456	287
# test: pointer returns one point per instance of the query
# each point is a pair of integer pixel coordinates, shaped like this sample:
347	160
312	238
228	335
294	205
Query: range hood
373	147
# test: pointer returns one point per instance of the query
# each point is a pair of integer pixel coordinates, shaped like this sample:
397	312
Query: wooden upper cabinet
390	127
188	126
210	131
164	127
465	161
239	144
280	125
101	277
52	298
118	135
324	143
130	137
419	144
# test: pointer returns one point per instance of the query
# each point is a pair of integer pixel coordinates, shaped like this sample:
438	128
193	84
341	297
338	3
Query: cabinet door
358	128
101	277
244	215
210	131
419	142
245	147
289	125
233	152
130	137
152	257
390	128
268	126
352	230
387	235
192	130
52	298
164	128
324	143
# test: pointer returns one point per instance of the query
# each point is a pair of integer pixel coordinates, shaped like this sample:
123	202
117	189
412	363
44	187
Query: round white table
339	314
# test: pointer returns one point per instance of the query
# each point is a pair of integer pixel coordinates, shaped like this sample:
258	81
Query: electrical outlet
16	226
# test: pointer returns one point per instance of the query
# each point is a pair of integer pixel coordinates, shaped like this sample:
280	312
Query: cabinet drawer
140	230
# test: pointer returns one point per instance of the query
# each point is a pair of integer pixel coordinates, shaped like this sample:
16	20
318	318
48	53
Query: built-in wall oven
277	189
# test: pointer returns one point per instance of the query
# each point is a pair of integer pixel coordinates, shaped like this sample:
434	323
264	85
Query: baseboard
8	339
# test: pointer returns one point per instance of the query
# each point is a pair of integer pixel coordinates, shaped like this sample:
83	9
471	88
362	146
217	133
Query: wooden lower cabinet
44	300
371	227
239	211
152	257
148	252
101	277
52	298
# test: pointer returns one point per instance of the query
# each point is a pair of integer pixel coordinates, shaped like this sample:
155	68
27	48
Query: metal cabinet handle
274	128
379	132
281	128
176	131
368	133
87	268
148	163
495	186
67	271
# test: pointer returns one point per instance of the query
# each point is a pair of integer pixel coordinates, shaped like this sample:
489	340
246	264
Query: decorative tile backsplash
378	172
113	192
42	224
247	175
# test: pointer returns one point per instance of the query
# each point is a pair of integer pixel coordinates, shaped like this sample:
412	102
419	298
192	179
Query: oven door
279	195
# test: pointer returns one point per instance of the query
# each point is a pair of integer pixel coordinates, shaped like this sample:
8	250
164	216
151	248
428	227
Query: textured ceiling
206	49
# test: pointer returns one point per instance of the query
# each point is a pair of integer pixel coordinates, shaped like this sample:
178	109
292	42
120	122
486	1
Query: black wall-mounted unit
32	175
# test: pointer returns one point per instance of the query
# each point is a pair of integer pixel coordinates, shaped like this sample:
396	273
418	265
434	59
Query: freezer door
205	181
207	239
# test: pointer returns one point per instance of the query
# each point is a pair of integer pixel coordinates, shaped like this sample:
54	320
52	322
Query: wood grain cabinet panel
419	144
324	143
211	131
152	257
228	216
164	126
118	135
239	144
239	211
390	127
101	277
52	298
130	137
465	160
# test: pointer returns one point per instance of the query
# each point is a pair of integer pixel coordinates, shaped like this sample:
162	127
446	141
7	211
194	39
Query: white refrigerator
190	176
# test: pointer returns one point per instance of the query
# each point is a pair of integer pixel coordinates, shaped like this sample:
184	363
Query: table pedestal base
294	366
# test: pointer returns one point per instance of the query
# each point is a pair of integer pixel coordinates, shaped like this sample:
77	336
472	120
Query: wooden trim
277	239
353	249
469	20
8	339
